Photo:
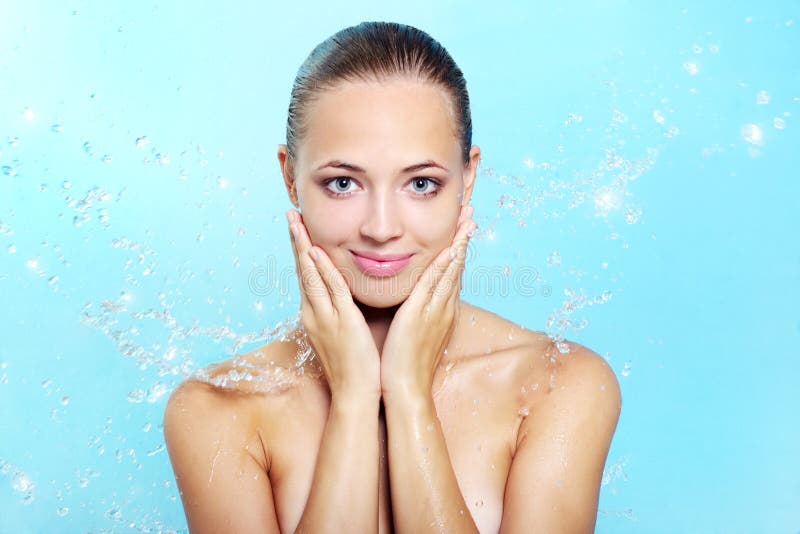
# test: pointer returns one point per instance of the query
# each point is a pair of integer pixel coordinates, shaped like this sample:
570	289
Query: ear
287	171
469	173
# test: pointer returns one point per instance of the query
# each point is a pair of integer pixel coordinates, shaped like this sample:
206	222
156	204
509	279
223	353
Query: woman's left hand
422	326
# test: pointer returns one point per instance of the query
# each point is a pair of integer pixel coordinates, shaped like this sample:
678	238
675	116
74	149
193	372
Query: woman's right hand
336	328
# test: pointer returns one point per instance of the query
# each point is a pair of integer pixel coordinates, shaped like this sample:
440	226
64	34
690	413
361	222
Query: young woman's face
379	176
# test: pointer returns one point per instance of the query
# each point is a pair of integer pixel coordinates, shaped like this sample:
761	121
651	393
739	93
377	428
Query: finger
448	285
432	275
456	251
335	282
316	290
298	267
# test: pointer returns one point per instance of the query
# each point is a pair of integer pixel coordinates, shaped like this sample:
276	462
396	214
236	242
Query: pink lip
380	264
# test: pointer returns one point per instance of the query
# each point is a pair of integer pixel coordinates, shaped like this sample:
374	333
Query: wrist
407	394
351	400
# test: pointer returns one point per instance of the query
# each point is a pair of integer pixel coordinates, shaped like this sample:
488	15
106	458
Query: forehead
388	121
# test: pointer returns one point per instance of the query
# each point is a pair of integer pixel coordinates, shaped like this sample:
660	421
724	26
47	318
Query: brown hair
376	51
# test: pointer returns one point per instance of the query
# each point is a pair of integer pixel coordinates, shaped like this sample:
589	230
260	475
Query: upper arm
223	487
554	480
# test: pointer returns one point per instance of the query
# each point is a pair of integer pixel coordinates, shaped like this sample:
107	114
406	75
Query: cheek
434	226
329	226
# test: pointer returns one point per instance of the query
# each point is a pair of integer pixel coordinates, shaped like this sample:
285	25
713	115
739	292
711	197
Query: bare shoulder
562	441
583	398
233	400
584	372
533	359
220	428
200	418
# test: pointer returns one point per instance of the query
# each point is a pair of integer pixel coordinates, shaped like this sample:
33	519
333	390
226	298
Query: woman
426	413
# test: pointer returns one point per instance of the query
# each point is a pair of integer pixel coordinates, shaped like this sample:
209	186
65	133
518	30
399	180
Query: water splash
253	373
21	483
561	319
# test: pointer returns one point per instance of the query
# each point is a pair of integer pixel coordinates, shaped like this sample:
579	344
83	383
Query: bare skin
261	447
419	412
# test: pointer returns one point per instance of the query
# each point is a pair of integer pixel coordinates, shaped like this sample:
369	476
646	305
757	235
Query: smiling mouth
380	265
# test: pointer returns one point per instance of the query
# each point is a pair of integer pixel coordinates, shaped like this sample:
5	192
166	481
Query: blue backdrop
638	194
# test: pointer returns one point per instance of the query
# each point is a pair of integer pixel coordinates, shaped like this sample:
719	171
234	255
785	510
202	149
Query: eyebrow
338	164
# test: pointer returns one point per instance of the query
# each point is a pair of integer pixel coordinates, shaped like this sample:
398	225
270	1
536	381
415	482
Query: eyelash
336	194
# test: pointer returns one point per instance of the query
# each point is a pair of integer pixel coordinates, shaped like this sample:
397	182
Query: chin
380	301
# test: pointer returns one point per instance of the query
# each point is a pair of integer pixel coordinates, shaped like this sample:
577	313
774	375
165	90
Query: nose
382	221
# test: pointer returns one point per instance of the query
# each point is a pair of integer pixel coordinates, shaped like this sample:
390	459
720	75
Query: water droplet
13	140
9	171
156	391
12	249
147	427
137	395
762	98
779	123
691	68
107	158
24	485
28	114
632	215
61	512
65	400
626	369
524	412
66	184
57	128
658	117
752	134
573	117
554	258
87	147
156	450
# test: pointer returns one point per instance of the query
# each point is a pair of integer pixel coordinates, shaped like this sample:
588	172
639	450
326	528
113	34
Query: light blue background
700	324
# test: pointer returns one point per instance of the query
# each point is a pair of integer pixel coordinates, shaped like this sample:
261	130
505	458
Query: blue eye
339	186
425	186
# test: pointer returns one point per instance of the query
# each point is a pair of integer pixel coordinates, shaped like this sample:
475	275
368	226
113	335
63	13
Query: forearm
425	492
344	491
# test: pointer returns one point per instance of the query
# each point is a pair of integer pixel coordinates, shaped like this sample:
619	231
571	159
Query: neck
378	320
